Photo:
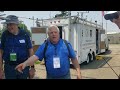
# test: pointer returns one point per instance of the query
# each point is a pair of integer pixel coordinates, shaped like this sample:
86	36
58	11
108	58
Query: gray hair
49	28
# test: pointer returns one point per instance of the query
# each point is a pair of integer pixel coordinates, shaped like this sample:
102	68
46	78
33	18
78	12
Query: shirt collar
54	44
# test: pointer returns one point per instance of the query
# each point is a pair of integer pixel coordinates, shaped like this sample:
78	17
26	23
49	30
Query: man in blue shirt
113	16
15	48
57	56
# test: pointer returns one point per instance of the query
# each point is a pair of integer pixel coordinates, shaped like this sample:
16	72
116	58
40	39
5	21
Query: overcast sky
92	15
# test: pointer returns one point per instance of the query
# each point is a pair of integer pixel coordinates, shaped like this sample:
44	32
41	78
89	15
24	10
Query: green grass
37	62
40	62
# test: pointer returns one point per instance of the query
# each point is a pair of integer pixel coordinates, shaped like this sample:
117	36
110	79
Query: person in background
15	48
113	16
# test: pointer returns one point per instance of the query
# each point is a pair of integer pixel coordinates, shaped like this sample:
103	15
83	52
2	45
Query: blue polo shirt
18	44
59	49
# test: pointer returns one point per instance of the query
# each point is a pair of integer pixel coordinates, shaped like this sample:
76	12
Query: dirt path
97	69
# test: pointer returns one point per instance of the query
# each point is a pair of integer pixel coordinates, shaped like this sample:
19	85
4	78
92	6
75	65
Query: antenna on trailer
82	13
50	15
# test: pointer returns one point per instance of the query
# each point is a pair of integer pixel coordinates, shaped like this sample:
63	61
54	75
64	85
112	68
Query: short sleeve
2	40
72	52
29	41
40	51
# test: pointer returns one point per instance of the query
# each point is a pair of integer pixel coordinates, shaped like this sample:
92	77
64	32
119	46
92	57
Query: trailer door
97	41
60	28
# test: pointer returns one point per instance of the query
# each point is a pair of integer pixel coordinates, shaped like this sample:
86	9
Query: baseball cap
11	19
111	15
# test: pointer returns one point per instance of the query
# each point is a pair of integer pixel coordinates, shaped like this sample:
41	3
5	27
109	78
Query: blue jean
67	76
11	73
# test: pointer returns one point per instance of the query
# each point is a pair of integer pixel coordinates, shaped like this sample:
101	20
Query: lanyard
55	46
12	49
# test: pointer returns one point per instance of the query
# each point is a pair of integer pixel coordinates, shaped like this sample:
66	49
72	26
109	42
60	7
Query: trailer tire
93	55
88	59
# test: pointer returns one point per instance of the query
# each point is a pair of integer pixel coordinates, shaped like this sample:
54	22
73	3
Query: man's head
12	23
113	16
53	33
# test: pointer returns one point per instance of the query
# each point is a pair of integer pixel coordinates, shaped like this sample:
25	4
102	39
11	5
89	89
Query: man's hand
79	76
32	73
20	67
1	74
77	67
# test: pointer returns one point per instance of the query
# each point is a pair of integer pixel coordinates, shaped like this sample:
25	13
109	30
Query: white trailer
87	38
38	36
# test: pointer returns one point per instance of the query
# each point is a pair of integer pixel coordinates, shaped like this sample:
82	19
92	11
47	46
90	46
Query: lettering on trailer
87	47
88	44
88	40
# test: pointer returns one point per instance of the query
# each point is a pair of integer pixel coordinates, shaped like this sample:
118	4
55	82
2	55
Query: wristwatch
33	66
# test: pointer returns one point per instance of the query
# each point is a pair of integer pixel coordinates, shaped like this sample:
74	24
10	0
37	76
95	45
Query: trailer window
90	33
82	33
60	28
87	33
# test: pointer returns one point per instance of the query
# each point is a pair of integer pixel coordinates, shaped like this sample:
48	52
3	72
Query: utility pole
50	14
102	22
102	18
106	25
78	14
1	14
1	18
23	25
69	15
69	24
33	21
82	13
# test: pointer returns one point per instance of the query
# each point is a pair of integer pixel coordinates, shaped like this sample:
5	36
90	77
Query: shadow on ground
106	53
98	63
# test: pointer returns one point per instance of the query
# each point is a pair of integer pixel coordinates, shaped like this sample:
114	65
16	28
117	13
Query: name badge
22	41
13	57
56	62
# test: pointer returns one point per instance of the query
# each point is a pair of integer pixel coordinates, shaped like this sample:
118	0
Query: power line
28	18
31	19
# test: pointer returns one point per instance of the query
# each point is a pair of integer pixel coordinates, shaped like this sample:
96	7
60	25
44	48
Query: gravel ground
97	69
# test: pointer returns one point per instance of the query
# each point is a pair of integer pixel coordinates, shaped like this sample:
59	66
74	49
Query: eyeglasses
113	16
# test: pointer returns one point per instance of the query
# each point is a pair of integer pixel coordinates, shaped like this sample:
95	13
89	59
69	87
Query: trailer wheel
93	55
88	59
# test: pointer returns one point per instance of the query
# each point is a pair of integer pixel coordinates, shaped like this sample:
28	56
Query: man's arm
29	62
1	65
77	67
32	68
31	53
1	61
74	60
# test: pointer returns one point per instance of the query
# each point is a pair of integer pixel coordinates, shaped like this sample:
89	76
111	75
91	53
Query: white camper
87	38
38	36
